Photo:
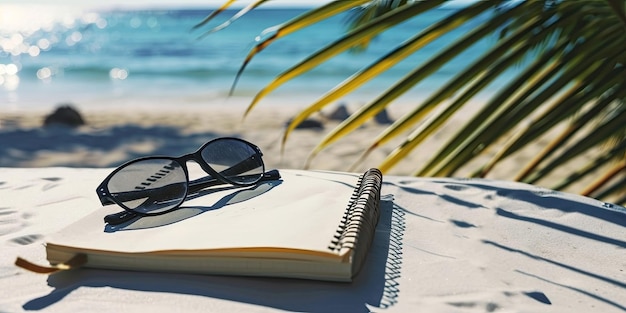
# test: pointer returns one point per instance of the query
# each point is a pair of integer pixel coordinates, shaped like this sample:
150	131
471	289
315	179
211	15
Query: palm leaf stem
603	180
621	201
565	136
602	133
591	167
616	189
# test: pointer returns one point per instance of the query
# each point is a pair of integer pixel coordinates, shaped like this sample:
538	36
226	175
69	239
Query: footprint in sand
53	182
26	240
9	221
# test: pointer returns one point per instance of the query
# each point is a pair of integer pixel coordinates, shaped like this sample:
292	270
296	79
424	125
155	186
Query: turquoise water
153	54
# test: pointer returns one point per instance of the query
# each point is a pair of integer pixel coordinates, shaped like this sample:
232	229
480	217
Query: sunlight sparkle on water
44	73
118	73
27	30
28	19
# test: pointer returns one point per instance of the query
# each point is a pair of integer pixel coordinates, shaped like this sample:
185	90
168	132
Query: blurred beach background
101	55
147	84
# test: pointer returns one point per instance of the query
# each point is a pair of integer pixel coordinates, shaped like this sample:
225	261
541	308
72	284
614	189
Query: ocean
107	57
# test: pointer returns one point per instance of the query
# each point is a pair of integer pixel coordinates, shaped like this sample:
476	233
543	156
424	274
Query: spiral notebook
314	225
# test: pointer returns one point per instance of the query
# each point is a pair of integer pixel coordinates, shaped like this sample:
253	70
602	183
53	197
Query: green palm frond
570	64
383	64
235	17
348	41
523	107
474	138
561	140
369	11
213	14
268	36
485	71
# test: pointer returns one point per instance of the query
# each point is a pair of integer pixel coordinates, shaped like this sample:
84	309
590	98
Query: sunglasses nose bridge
192	162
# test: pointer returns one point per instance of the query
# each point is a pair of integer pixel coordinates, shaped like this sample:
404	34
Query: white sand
442	245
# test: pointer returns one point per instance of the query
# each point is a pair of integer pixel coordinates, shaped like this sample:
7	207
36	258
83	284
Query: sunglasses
157	185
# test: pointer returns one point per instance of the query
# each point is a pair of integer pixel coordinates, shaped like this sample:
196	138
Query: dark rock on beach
308	124
339	114
383	118
64	115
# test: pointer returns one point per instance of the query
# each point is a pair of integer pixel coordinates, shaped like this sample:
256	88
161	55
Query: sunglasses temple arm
243	166
194	186
120	217
124	216
208	181
270	175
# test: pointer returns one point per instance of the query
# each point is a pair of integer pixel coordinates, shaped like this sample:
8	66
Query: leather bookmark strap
75	262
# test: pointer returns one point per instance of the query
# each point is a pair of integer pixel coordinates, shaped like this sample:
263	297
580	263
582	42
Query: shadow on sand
18	147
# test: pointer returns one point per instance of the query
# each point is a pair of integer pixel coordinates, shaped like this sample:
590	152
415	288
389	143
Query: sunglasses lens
237	161
149	186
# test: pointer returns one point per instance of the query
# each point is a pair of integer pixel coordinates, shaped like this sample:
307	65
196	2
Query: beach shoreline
127	123
128	128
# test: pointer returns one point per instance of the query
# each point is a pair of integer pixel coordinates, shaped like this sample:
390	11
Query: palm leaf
235	17
498	105
432	125
382	64
619	8
547	86
567	134
577	67
521	109
349	40
560	110
366	13
457	83
270	35
213	14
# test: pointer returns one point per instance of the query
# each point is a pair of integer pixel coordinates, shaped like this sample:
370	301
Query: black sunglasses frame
213	179
125	216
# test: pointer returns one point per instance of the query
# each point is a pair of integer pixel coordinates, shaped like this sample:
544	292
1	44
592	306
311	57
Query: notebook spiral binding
358	225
